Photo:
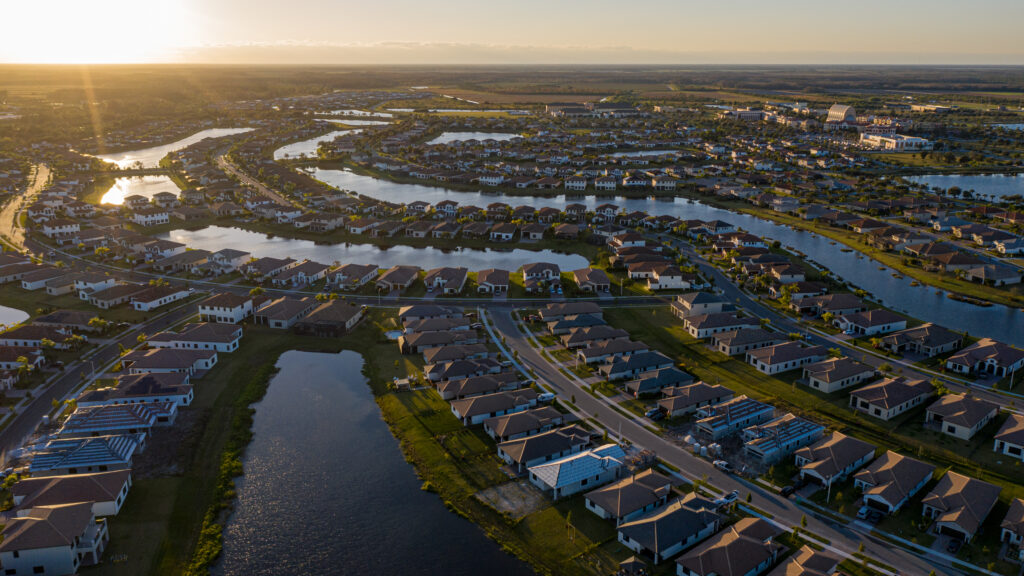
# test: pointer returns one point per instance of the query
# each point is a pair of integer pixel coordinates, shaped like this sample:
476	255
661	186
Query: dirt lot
517	498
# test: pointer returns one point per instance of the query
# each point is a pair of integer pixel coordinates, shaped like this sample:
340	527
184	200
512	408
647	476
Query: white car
727	499
723	465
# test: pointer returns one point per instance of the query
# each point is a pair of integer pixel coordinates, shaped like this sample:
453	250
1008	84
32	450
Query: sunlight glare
92	32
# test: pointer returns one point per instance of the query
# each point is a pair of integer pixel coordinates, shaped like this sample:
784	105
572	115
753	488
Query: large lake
1000	322
142	185
150	157
11	316
214	238
327	491
998	185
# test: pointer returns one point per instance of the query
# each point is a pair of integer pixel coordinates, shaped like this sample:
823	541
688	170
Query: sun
92	31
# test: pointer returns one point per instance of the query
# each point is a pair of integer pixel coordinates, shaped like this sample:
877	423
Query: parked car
652	412
787	491
545	397
953	546
727	499
723	465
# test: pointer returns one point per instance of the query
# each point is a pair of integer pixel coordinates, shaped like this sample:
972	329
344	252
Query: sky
516	32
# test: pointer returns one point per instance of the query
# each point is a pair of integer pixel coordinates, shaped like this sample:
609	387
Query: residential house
56	540
670	530
398	278
682	400
592	280
706	325
635	364
717	421
1010	438
284	312
834	374
105	490
476	409
743	340
890	397
784	357
631	497
448	280
655	381
929	340
522	424
226	308
960	415
833	459
85	455
1012	527
200	336
959	505
872	322
987	356
528	451
579	472
697	303
746	548
330	319
492	281
889	482
352	276
765	444
145	387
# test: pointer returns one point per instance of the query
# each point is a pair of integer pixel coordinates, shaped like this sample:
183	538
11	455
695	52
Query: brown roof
832	455
893	476
963	501
892	392
734	551
47	527
962	410
55	490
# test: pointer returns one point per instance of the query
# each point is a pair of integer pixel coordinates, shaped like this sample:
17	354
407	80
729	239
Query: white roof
571	469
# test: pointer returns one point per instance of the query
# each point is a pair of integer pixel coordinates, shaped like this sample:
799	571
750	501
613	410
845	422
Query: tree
828	317
257	291
98	323
876	342
803	521
47	343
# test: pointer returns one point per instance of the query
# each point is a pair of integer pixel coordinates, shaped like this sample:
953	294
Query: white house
579	472
226	308
55	540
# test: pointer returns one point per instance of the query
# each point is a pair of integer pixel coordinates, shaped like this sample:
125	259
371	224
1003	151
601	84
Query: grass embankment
157	530
211	535
172	525
1009	296
657	327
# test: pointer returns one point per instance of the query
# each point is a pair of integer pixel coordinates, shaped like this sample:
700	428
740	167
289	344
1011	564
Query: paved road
845	539
10	228
224	164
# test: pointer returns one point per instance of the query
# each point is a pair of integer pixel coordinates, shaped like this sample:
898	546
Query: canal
885	284
214	238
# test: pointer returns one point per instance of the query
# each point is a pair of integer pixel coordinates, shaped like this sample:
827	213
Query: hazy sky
520	31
